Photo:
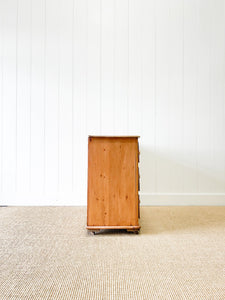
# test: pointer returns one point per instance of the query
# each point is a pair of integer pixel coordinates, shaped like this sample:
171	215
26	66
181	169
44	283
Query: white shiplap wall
69	68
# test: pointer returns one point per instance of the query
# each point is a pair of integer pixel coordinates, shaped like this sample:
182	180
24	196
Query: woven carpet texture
47	253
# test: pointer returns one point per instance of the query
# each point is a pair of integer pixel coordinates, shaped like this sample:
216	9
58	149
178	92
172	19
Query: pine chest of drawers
113	183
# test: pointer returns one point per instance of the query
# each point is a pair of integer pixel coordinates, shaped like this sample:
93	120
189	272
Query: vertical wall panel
65	96
135	68
107	67
79	95
9	100
162	99
1	91
38	96
77	67
23	95
148	94
203	104
174	155
121	66
94	115
190	95
218	95
52	95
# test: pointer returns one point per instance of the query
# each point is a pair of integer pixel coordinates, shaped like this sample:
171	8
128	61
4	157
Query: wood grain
112	182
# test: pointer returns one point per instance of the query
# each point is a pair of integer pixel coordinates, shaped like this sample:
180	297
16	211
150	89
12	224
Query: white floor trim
158	199
79	199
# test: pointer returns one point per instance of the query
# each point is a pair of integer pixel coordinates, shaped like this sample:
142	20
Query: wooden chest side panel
112	182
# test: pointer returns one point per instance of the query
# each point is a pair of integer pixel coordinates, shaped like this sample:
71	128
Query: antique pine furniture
113	183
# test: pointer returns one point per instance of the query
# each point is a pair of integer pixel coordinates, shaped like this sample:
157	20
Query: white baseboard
39	199
79	199
186	199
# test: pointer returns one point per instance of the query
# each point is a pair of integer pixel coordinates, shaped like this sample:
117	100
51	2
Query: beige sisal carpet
46	253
